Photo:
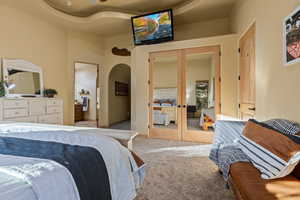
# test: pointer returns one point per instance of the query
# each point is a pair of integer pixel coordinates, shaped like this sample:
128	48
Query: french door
184	84
165	95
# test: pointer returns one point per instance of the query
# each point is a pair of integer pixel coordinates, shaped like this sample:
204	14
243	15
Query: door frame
97	89
164	133
246	106
182	133
200	135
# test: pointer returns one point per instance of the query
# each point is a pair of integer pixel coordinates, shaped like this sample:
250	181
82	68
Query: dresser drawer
14	113
15	104
51	119
54	102
37	107
54	109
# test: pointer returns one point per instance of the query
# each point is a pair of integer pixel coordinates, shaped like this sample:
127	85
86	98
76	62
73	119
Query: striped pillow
274	154
284	126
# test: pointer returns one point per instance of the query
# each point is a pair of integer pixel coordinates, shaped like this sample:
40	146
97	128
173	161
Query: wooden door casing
182	133
200	135
164	133
247	74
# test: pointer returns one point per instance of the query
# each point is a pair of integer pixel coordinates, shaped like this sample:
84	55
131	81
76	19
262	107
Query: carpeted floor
86	124
125	125
179	171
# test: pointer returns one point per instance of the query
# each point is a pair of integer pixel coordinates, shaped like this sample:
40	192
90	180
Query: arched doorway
119	99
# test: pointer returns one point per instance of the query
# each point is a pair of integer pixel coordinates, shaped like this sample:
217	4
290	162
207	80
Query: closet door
247	74
200	93
165	95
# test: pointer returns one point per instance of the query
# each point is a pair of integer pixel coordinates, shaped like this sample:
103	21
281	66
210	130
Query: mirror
22	78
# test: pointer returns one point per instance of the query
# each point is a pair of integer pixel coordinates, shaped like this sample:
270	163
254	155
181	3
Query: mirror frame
24	66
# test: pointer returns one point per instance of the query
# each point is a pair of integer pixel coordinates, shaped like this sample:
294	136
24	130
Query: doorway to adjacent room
86	98
119	104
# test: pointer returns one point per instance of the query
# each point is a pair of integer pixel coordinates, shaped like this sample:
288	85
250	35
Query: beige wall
202	29
198	70
83	47
30	37
140	74
119	106
165	74
276	86
110	61
86	78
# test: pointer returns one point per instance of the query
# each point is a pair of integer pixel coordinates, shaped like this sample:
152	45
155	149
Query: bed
46	162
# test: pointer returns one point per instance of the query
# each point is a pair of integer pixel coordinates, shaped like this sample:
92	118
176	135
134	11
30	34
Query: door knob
184	106
179	106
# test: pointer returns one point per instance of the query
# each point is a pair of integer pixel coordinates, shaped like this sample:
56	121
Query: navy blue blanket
85	163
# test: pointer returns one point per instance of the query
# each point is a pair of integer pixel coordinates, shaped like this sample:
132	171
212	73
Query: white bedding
118	160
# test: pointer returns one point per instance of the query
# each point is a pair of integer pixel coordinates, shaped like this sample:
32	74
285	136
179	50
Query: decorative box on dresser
33	110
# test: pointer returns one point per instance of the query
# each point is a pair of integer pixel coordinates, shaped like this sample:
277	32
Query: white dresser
33	110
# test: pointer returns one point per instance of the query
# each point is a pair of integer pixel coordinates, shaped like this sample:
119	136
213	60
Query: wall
140	74
28	37
110	61
119	106
202	29
165	74
198	70
86	78
87	48
277	93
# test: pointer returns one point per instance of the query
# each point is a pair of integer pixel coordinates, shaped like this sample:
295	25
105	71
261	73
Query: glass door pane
199	95
165	92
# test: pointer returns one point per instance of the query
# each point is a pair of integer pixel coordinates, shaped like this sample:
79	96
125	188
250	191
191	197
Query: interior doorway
184	93
120	97
86	98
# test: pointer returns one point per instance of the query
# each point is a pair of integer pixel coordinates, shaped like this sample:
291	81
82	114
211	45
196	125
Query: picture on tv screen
153	28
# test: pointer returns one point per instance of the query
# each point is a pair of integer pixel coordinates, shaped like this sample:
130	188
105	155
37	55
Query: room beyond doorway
86	94
119	108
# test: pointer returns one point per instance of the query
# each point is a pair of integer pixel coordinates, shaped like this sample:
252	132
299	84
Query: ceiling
85	8
113	17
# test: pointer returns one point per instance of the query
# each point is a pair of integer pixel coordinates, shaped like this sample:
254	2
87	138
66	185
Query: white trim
21	65
285	63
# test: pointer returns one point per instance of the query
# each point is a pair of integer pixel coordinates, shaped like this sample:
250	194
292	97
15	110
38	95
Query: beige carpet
179	171
86	124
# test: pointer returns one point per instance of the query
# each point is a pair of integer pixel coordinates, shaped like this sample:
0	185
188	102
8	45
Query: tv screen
153	28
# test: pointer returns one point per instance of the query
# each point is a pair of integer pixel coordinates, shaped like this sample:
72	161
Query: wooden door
247	74
165	95
193	71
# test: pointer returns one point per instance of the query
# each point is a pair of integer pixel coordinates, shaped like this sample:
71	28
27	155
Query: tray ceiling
85	8
113	17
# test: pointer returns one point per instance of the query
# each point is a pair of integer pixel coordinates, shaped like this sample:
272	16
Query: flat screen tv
153	28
